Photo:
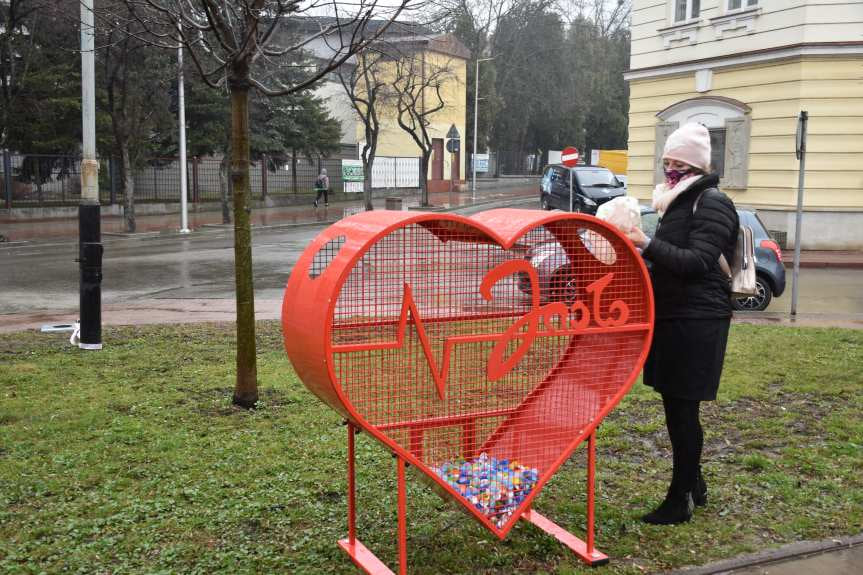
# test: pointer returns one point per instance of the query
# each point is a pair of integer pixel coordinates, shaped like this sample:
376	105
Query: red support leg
591	476
584	550
359	553
352	488
403	523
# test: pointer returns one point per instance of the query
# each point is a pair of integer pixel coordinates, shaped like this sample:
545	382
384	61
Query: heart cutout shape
483	350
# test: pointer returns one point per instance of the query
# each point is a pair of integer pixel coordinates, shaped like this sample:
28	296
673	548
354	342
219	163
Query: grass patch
133	460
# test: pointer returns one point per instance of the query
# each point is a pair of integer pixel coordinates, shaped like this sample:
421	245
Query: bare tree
259	45
17	43
368	91
609	16
418	85
131	70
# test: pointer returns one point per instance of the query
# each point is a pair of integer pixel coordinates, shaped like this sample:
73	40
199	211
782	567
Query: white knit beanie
690	144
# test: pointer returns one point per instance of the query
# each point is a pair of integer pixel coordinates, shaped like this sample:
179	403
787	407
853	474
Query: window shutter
737	152
663	130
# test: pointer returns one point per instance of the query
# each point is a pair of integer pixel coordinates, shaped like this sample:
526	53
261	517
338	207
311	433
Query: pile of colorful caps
494	486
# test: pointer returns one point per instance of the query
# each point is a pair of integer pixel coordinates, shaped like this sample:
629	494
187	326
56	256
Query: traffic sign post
802	121
569	158
453	146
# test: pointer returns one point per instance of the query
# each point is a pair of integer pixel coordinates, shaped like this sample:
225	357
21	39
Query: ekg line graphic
495	369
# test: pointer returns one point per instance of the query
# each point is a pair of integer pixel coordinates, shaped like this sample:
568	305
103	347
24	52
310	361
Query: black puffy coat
692	293
684	253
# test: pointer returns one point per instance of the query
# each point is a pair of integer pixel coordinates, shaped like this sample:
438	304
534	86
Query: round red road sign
569	157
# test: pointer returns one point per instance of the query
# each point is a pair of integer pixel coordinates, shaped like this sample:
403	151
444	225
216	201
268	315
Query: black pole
112	178
7	178
90	263
89	234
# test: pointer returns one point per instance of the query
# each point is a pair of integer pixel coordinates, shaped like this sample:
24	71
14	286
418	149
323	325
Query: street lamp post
475	123
181	111
89	226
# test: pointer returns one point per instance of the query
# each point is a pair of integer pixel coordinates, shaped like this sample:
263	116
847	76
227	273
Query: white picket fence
390	172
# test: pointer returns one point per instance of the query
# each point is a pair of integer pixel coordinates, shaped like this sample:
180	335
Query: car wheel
564	286
543	201
757	302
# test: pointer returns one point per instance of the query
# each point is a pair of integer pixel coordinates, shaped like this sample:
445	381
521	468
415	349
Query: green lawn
132	460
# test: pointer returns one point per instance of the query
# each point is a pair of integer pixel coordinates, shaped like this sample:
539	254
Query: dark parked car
592	187
769	271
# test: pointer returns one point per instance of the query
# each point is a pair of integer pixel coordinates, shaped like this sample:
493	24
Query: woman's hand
637	237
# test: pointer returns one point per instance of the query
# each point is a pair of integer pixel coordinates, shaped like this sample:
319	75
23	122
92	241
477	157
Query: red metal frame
413	326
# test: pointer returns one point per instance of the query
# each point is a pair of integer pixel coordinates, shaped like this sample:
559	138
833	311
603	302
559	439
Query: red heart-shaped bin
480	349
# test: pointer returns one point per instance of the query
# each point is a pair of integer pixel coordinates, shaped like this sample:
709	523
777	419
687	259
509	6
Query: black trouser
687	441
322	192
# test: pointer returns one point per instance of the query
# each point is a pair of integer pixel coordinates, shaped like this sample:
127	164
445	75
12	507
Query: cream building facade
745	69
442	58
445	57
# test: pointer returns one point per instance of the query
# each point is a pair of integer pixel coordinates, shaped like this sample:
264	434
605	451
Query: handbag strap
723	262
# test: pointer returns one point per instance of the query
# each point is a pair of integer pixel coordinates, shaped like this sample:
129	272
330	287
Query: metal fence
512	163
389	172
44	180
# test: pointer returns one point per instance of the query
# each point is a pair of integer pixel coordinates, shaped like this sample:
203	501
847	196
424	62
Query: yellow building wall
830	89
394	141
614	160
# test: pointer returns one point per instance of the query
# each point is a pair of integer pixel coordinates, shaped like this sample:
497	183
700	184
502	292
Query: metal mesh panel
464	353
325	256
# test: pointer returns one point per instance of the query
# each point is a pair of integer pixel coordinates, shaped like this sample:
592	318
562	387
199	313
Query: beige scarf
663	195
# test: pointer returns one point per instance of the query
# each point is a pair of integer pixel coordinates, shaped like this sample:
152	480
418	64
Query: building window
740	4
717	150
728	123
687	9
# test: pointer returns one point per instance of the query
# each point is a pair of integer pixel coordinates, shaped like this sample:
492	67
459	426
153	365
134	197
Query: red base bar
363	558
579	547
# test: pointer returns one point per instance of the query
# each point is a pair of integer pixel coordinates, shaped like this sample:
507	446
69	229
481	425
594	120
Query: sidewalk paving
825	259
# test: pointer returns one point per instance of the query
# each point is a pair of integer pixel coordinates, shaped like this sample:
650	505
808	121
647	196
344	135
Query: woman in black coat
693	306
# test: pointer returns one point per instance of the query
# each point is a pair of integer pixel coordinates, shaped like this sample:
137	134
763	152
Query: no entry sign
569	157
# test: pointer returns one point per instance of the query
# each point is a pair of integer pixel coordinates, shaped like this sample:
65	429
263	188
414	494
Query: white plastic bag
622	212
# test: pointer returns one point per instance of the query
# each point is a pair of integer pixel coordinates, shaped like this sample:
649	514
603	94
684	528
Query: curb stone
797	550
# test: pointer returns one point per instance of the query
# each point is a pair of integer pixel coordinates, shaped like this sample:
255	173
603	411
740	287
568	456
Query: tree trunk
246	390
224	189
424	177
367	182
128	187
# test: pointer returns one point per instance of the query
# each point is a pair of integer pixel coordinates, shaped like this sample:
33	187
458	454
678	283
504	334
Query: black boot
677	508
699	494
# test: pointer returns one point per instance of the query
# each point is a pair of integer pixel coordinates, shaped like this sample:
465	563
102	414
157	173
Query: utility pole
475	124
181	105
89	232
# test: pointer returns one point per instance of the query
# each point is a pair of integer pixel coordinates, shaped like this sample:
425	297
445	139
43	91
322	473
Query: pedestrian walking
693	307
322	187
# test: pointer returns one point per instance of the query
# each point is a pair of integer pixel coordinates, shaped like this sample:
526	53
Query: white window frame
688	17
744	6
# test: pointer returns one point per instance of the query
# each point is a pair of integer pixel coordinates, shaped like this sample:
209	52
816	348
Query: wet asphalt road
44	276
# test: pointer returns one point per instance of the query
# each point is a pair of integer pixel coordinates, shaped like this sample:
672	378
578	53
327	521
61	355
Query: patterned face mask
672	177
